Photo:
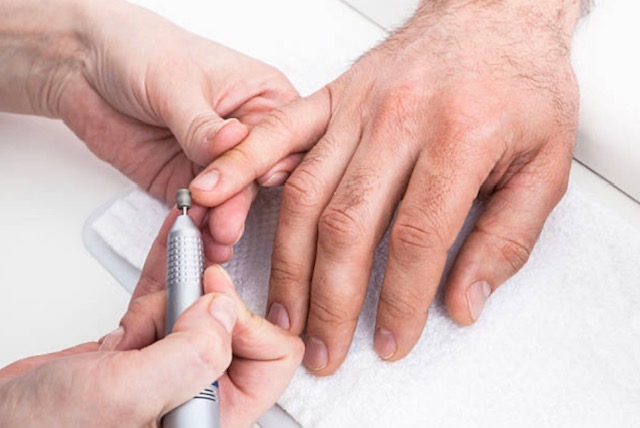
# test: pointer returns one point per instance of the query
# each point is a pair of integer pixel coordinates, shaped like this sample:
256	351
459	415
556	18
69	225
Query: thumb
201	132
173	370
504	236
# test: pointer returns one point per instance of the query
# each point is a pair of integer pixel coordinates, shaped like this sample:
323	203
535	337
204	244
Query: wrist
41	47
522	30
508	18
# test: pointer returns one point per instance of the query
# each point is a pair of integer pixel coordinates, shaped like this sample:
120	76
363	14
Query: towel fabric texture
558	345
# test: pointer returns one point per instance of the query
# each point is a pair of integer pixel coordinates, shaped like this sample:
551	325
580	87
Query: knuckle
278	122
137	308
326	148
514	252
403	304
339	228
198	127
202	357
332	311
301	191
400	114
400	102
285	275
411	238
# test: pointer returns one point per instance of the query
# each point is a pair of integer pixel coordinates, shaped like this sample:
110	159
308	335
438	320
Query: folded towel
558	345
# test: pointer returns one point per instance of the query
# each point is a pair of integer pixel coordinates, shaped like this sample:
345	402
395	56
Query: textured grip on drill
185	262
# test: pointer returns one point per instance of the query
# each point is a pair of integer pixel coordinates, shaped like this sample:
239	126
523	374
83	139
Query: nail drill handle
185	264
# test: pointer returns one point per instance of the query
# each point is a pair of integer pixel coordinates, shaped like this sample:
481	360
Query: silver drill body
185	266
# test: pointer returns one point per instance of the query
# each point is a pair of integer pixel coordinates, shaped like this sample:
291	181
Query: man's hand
468	98
155	101
94	385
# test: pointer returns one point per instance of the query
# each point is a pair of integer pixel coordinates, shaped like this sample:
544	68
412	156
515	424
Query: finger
26	364
290	129
153	276
215	252
231	133
440	193
265	359
202	133
196	353
504	235
226	221
252	333
277	175
306	193
142	325
349	230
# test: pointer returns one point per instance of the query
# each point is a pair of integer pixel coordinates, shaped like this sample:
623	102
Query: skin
467	100
71	59
106	69
216	338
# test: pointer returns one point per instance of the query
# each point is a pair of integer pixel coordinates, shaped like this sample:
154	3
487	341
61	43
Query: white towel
558	345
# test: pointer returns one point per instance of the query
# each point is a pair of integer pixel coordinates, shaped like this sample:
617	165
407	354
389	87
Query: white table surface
55	294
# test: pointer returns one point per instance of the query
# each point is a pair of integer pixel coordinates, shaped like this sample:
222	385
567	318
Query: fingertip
392	346
476	297
111	341
458	306
217	279
465	305
316	357
224	309
273	179
229	135
278	175
203	185
226	228
226	221
279	316
466	293
384	343
220	253
296	350
216	252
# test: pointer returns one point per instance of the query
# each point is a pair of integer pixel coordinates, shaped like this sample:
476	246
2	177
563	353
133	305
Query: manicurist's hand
468	98
155	101
94	385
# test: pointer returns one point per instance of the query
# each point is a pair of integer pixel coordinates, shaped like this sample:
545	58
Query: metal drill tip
183	199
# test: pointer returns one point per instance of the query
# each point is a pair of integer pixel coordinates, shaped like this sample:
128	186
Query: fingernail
477	296
112	340
224	310
384	343
279	316
206	181
275	179
315	354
